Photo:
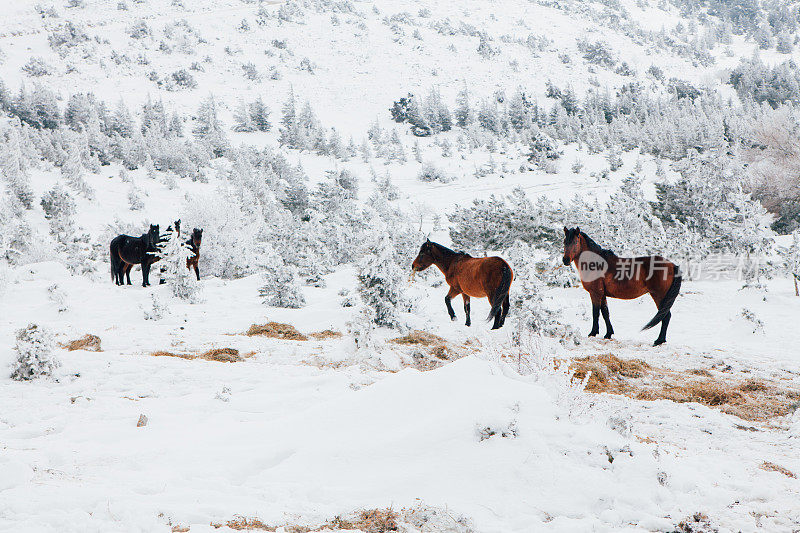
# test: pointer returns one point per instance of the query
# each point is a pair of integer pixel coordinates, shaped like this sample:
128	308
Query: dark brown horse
477	277
194	243
126	251
605	275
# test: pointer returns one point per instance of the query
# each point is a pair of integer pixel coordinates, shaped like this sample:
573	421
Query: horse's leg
662	337
450	295
466	308
145	273
604	310
506	307
597	300
197	270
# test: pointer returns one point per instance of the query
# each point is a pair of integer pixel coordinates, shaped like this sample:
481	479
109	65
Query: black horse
126	251
194	244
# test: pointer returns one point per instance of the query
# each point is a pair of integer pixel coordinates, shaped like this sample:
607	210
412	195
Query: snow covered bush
527	304
281	287
362	327
59	210
157	309
380	282
180	279
35	357
37	67
429	173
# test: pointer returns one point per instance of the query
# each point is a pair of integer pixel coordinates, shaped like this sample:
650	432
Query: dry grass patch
325	334
276	330
421	338
241	523
221	355
163	353
772	467
430	351
89	343
751	399
367	520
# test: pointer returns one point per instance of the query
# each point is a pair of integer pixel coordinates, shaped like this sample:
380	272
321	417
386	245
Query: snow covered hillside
307	382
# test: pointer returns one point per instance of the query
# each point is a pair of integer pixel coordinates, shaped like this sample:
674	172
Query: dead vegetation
772	467
276	330
89	343
750	399
428	351
367	520
325	335
221	355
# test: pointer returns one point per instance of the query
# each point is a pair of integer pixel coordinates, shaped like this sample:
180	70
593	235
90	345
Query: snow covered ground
300	432
287	438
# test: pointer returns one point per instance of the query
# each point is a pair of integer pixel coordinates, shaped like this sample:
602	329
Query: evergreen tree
59	210
463	112
209	128
13	168
179	279
380	282
281	287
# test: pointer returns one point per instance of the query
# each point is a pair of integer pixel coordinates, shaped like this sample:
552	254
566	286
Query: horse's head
424	257
153	234
197	237
573	244
177	225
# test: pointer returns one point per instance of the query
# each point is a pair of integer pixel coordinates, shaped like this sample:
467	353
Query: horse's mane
596	248
448	251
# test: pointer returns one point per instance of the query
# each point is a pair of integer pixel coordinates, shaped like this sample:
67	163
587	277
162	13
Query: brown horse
477	277
604	275
194	243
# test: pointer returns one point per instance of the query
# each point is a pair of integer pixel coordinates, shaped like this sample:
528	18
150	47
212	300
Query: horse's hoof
452	318
468	324
593	334
659	341
607	336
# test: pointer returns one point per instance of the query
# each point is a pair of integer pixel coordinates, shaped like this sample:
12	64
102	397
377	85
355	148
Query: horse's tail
114	256
501	292
669	299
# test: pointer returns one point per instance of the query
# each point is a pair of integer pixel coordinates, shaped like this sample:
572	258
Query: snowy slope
300	432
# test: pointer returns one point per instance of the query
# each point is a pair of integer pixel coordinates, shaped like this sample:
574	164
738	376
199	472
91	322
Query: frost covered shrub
527	303
362	328
232	237
37	67
65	37
182	79
543	149
596	53
157	309
135	202
58	297
281	287
180	280
429	173
252	117
250	71
35	358
139	30
380	282
59	210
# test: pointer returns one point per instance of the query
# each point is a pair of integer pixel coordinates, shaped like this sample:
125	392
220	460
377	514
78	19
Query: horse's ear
577	231
566	231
